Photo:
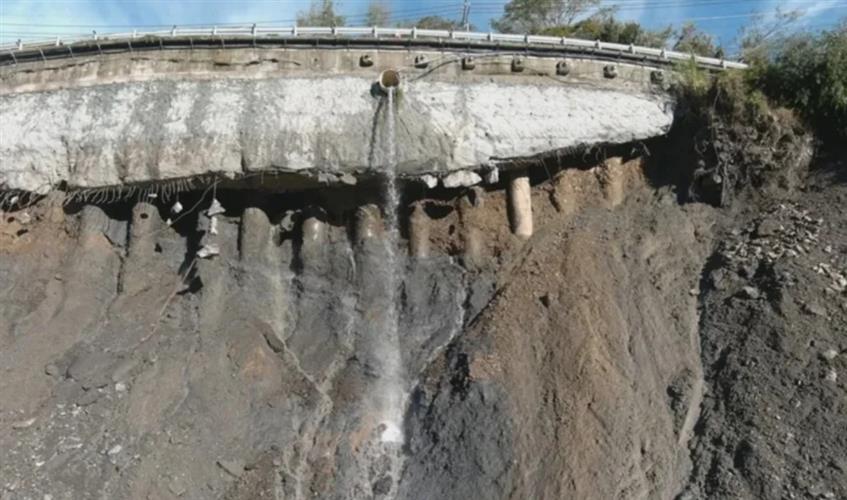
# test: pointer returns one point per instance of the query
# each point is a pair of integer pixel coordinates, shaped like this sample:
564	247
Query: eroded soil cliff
634	347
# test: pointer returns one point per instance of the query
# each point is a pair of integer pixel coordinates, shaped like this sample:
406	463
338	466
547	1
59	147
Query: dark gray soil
774	346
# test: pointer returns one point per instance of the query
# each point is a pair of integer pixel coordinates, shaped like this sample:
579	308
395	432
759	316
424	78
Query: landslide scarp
565	365
136	367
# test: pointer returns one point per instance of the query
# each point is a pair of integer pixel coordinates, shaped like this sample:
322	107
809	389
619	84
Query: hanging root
166	191
16	199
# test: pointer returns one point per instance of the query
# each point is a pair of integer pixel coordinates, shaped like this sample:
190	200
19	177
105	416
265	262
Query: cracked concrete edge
164	129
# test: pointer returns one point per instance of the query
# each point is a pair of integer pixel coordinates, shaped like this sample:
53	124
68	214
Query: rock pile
786	232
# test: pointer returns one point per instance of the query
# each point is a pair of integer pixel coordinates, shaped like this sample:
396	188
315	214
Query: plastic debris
429	180
176	208
492	176
215	208
288	221
208	251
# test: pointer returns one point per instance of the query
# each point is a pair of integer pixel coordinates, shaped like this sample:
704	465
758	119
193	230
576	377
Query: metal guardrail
254	35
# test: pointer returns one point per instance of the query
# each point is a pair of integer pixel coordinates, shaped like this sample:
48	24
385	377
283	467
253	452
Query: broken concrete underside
117	119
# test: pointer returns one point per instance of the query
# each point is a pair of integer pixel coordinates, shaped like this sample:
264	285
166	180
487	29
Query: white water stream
392	394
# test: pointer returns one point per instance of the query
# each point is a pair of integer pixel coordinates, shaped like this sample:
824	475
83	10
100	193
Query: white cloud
809	11
28	19
643	12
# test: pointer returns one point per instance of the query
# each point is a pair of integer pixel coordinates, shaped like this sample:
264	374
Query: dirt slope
774	337
633	348
581	379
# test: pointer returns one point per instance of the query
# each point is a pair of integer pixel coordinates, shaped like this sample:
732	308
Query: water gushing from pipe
393	396
386	398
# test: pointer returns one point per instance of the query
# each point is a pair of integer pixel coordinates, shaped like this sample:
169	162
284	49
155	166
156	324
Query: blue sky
41	19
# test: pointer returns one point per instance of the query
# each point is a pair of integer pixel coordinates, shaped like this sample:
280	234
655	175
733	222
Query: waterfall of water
392	387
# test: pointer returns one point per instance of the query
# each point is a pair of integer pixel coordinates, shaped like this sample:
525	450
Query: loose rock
462	178
831	376
829	354
24	424
233	467
208	251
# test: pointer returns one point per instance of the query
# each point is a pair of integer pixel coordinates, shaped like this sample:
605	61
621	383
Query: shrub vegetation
806	72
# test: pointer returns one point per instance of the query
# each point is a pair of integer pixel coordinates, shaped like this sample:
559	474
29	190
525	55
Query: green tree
763	32
434	23
693	40
378	14
535	16
807	72
320	13
437	23
604	27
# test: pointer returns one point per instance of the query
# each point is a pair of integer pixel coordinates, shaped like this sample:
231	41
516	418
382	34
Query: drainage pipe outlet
389	79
